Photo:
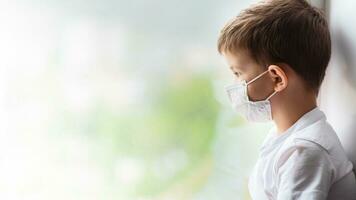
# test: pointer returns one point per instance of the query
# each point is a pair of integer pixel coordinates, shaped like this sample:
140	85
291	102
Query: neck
286	113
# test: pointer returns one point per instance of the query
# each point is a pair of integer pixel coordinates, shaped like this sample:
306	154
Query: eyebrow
235	68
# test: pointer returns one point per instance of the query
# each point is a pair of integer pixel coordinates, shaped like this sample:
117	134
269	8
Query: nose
237	80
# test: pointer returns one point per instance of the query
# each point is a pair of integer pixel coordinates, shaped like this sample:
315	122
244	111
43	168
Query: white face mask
253	111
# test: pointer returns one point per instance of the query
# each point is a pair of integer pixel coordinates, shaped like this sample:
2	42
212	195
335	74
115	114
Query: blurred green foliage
182	116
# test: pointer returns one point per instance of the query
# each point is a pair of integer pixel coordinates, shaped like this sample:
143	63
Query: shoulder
313	143
301	153
304	165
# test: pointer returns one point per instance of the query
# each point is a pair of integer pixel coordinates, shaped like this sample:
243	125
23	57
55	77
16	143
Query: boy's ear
278	77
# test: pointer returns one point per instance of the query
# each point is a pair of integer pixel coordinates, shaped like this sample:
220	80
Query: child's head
290	38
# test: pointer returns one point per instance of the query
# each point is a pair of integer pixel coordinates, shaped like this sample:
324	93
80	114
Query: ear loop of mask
257	77
270	96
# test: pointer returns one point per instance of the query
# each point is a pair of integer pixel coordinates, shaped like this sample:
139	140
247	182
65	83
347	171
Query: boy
279	51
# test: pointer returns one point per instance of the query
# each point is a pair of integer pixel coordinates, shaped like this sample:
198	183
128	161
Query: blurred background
125	100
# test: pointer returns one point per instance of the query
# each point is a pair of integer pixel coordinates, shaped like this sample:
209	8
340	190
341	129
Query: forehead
238	59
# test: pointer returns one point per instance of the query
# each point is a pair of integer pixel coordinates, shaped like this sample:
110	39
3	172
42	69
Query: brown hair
282	31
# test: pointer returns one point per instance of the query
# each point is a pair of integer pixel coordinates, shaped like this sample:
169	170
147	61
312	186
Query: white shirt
305	162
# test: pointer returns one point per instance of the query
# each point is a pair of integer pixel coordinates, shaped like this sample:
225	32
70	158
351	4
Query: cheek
254	92
241	78
260	89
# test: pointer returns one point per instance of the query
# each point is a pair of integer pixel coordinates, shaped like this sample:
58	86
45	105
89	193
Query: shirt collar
299	129
309	118
315	129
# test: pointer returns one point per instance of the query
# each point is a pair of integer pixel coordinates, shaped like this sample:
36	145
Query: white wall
338	93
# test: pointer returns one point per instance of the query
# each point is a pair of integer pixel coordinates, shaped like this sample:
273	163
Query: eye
237	74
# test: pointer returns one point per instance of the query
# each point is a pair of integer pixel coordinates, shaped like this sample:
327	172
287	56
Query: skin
293	98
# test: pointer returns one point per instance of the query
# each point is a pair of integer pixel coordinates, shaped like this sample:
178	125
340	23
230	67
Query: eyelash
237	74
